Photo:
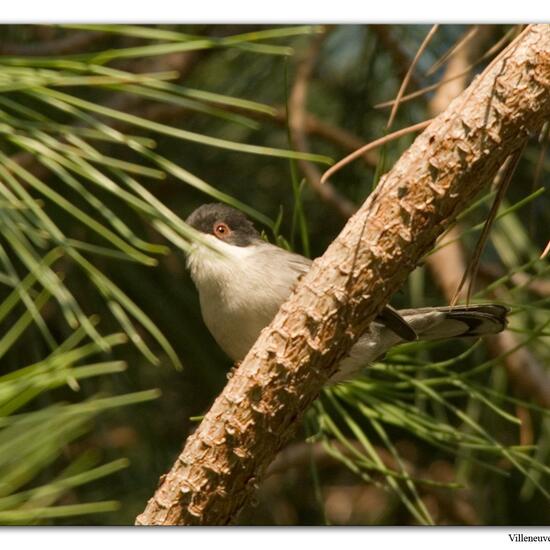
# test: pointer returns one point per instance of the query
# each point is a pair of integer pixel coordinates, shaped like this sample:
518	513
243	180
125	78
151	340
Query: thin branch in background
373	145
454	49
399	57
297	123
407	78
338	136
425	90
503	179
314	126
449	78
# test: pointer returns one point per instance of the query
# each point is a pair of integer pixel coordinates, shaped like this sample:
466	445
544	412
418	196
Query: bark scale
257	412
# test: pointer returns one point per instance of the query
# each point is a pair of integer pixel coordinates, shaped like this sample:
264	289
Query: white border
275	11
241	538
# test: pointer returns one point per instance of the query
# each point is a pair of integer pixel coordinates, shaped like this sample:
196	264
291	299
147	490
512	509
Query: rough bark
257	412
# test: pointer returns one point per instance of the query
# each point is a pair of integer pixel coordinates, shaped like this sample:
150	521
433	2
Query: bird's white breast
237	299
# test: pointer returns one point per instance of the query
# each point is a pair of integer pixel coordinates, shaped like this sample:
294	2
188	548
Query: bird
242	280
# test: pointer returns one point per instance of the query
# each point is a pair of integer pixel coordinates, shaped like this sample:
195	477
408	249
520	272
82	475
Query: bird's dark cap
208	216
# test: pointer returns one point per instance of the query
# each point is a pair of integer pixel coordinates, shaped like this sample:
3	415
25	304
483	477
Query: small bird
242	281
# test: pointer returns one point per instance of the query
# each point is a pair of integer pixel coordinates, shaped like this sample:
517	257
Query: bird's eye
221	230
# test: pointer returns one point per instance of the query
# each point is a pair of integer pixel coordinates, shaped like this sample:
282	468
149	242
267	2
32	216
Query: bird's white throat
216	259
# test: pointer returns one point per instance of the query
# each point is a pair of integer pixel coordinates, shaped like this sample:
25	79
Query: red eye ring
221	230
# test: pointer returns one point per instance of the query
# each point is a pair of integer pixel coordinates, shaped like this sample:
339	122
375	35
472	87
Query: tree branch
334	303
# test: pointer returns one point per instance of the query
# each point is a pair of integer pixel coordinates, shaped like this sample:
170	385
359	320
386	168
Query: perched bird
242	281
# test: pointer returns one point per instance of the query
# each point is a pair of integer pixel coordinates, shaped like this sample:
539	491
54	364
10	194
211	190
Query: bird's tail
429	323
433	323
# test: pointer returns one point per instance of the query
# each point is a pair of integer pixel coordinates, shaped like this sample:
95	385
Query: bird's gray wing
300	264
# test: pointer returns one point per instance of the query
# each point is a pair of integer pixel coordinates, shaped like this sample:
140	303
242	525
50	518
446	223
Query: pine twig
371	146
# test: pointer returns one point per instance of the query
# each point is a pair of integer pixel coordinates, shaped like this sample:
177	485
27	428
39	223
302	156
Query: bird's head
227	235
225	224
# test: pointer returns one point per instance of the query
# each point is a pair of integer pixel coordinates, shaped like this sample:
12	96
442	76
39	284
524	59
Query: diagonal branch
334	303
